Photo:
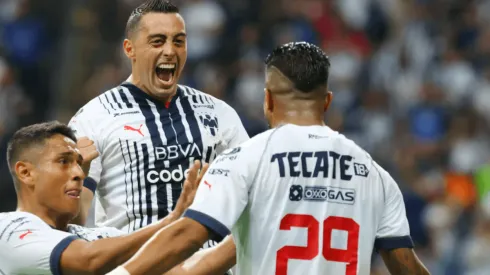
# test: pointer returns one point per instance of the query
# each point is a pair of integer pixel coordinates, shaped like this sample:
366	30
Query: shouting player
300	198
149	130
45	163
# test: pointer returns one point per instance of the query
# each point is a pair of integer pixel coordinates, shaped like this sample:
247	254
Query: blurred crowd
411	83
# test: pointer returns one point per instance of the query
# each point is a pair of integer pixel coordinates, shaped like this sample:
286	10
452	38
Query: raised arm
216	260
103	255
403	261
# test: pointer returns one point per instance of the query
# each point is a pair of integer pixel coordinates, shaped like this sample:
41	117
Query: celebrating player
299	197
45	163
149	130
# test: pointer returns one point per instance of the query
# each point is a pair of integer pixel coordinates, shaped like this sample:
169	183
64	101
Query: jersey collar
137	92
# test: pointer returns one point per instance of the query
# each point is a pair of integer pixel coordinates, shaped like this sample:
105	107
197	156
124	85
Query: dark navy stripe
125	183
156	140
108	101
146	163
208	99
115	100
55	258
125	98
138	176
216	226
193	123
178	124
132	183
391	243
100	100
209	151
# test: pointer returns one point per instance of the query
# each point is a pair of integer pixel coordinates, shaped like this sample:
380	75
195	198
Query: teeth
166	66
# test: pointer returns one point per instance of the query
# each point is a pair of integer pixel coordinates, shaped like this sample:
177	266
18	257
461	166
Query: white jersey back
302	200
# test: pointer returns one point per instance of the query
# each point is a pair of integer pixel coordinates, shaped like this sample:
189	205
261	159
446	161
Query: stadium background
411	82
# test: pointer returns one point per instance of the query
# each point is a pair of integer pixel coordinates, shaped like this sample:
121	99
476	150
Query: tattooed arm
403	261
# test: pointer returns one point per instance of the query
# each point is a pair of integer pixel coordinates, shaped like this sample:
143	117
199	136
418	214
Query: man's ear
25	173
328	100
128	48
268	101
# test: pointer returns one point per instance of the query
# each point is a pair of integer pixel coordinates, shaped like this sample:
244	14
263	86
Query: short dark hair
305	64
161	6
33	135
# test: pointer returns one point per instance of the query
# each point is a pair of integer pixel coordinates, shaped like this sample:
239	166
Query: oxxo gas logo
167	176
321	194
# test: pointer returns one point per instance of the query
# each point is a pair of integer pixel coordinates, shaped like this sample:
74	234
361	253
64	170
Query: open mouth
74	194
166	72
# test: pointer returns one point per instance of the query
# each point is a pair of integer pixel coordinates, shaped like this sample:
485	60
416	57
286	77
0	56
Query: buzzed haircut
159	6
34	135
305	64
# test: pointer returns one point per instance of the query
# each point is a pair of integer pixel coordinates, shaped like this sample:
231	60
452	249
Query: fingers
84	142
202	172
90	154
193	172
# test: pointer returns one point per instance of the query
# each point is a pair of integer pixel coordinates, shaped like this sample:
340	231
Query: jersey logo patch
210	123
322	194
130	128
360	170
296	192
207	184
22	236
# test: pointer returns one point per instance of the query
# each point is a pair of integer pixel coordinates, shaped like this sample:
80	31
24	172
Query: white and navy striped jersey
146	148
302	200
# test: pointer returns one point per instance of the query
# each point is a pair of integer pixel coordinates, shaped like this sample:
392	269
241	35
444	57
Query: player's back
313	197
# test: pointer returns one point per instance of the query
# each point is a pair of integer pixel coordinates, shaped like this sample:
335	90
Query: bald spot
281	86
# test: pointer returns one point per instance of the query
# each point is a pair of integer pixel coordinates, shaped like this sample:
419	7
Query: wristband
90	184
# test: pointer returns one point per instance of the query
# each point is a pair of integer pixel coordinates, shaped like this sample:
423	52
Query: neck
298	118
164	99
50	217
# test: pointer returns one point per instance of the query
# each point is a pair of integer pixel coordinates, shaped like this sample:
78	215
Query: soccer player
149	130
45	163
299	198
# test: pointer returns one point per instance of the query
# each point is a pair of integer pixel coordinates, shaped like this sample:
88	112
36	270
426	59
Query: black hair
305	64
161	6
32	135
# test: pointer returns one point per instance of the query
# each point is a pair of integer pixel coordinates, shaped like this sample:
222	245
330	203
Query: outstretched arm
403	261
215	260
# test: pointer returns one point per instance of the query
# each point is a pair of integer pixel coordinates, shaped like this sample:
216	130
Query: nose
77	173
168	50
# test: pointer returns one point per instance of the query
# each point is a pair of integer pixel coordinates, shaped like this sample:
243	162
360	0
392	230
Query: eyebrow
70	154
158	35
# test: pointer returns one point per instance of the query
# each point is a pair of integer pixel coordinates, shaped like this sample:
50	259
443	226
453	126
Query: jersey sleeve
393	230
28	246
93	234
223	192
83	127
234	133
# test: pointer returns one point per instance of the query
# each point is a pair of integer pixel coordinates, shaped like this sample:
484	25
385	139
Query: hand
88	151
190	187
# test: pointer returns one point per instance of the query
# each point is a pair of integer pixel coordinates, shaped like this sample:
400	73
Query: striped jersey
146	148
302	200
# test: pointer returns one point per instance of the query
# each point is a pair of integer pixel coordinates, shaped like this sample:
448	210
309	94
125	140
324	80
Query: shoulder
254	146
107	104
12	223
200	99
